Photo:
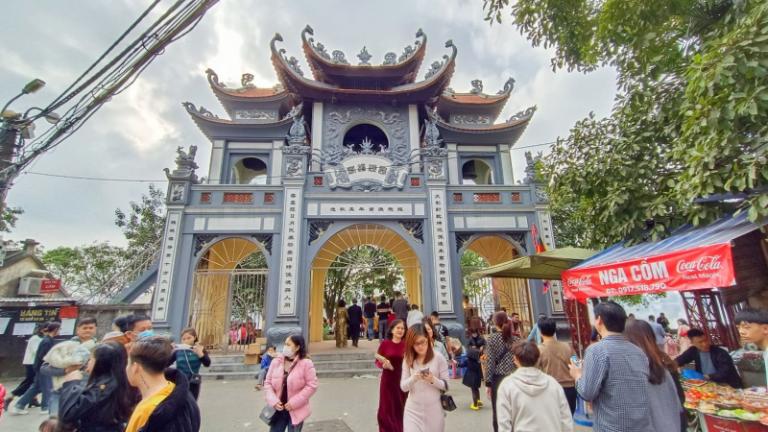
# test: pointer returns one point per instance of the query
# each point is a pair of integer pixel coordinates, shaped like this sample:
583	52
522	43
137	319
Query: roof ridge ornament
213	78
364	57
292	62
508	87
317	47
477	87
409	50
190	107
522	115
438	65
246	80
338	57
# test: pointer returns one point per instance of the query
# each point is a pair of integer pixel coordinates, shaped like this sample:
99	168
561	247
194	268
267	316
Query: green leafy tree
144	221
86	270
360	271
690	118
471	261
9	217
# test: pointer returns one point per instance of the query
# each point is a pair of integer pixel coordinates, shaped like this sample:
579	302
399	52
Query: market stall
695	261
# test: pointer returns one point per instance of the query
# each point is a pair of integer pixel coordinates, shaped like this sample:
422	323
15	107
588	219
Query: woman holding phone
424	377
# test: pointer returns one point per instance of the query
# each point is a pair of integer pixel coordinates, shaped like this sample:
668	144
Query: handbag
267	413
195	378
446	400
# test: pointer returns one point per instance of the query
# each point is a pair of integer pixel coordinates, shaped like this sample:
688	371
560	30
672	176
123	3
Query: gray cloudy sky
136	134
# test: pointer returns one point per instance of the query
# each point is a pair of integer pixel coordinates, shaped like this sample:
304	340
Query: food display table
724	409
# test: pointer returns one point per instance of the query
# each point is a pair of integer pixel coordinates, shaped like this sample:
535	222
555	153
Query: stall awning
545	265
690	259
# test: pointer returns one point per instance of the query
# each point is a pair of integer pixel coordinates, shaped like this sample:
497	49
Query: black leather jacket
90	408
726	372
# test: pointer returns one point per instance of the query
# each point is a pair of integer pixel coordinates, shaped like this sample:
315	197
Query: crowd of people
131	380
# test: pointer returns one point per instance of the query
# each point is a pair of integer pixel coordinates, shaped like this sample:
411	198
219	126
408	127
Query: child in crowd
49	425
266	360
189	356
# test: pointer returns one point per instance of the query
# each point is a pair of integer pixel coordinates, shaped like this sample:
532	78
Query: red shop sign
702	267
50	286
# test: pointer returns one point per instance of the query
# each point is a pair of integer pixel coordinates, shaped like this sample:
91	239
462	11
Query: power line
534	145
105	179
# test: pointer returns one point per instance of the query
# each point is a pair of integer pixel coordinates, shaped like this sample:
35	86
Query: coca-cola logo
579	281
701	264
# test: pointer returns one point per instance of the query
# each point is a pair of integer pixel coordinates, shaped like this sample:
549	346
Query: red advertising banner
50	286
703	267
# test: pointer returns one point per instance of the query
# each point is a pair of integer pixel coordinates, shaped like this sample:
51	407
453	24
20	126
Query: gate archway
360	235
513	294
228	294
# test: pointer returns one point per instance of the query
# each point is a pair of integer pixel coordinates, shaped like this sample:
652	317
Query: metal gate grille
228	307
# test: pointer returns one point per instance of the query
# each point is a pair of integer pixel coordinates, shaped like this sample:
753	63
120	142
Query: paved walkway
340	405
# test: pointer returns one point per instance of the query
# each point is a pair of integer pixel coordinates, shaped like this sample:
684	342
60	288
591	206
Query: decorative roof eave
216	128
475	101
231	98
502	133
290	75
327	68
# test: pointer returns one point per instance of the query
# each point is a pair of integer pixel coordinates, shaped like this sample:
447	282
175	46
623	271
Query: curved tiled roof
292	77
475	101
334	68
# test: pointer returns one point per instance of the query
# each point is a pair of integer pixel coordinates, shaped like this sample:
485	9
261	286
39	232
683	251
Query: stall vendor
753	328
712	361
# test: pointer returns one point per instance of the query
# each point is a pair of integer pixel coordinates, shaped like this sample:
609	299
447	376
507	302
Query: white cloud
136	133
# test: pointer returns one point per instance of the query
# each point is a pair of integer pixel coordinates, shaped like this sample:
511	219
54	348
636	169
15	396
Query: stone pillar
215	167
287	320
454	171
413	129
508	176
179	182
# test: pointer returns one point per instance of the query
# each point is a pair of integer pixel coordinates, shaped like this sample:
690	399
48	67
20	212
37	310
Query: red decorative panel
415	181
318	180
578	321
205	198
516	197
238	197
269	198
706	311
458	197
487	197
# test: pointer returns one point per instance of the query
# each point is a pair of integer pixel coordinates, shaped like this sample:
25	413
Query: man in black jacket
355	319
712	361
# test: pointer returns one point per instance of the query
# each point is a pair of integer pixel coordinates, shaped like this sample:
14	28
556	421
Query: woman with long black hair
103	403
665	394
501	361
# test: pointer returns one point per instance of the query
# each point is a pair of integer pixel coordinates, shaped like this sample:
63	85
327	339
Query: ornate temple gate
228	307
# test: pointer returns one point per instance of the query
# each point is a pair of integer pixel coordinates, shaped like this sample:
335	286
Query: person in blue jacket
266	360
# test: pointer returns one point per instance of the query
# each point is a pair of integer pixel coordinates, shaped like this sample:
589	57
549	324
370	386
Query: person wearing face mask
137	327
102	403
290	383
166	403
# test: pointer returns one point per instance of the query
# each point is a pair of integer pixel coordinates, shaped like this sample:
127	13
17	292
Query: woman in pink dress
424	376
391	399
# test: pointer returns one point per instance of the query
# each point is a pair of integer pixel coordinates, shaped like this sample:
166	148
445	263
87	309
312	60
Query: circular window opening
366	139
250	170
476	172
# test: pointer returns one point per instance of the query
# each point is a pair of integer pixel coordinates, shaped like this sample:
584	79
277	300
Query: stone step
345	364
227	358
228	376
349	373
234	368
320	357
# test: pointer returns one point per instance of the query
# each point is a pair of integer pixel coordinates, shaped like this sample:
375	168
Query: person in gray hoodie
530	400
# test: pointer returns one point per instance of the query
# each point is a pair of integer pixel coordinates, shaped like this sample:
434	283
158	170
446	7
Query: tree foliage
144	221
86	270
8	218
472	261
358	272
690	118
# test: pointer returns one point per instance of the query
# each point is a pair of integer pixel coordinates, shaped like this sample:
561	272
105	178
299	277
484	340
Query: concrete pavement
235	405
